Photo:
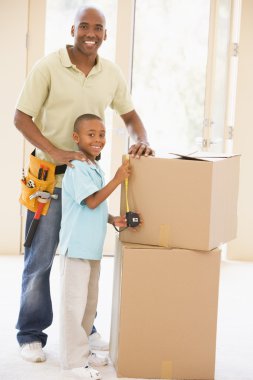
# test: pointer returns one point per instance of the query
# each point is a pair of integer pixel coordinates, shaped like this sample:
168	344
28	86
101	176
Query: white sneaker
97	360
87	373
98	344
33	352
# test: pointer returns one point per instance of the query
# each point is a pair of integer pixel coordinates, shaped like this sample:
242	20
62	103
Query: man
62	86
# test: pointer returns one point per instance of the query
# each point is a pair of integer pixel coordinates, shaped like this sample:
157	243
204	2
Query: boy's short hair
85	116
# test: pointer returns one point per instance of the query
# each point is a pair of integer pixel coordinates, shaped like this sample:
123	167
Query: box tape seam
164	238
166	369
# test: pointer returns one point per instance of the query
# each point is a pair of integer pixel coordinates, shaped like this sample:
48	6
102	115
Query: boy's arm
93	200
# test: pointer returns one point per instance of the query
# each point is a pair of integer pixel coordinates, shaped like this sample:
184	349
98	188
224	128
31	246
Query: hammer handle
34	225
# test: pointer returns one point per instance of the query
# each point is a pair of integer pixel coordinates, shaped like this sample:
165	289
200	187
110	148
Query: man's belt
59	169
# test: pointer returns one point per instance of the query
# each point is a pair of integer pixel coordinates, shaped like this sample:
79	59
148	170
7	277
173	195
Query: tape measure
126	188
133	219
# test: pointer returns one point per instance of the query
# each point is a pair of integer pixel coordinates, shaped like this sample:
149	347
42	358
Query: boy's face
90	137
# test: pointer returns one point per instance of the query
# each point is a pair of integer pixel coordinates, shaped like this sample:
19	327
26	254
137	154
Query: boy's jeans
36	312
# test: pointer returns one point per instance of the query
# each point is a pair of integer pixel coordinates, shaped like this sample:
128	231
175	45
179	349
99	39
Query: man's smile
90	43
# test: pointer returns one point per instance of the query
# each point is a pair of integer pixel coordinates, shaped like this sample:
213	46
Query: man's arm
138	133
31	132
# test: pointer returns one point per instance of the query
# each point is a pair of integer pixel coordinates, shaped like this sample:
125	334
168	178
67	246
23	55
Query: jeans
36	313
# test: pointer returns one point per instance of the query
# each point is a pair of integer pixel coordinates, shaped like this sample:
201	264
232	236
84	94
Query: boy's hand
120	221
123	172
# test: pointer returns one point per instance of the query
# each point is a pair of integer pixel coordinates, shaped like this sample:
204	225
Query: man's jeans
36	312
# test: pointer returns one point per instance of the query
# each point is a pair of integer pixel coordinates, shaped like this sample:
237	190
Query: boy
83	228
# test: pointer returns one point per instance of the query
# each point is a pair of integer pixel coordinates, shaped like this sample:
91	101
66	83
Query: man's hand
141	149
31	132
65	157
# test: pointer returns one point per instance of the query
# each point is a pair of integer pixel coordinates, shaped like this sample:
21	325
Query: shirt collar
66	62
96	167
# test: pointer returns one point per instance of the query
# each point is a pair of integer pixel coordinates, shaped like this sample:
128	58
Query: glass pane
220	78
169	70
59	19
232	75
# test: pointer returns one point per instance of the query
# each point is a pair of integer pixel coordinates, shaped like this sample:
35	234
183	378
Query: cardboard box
164	312
185	202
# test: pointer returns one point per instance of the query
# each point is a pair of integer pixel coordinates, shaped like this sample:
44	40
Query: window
169	71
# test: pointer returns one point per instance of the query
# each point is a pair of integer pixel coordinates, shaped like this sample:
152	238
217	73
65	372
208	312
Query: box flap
202	156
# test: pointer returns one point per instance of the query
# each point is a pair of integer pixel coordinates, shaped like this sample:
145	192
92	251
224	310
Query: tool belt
40	177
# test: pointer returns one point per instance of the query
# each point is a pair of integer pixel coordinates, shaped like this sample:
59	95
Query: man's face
89	31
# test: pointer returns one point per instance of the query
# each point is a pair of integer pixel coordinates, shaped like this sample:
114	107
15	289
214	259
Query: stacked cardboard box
164	312
166	276
185	203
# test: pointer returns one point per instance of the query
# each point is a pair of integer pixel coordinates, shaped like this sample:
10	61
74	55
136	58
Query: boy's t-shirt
83	229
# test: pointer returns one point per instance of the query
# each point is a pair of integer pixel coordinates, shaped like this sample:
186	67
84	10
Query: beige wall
13	69
242	247
36	42
123	58
15	19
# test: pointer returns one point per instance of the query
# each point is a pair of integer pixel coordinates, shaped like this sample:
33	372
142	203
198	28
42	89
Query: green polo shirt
56	92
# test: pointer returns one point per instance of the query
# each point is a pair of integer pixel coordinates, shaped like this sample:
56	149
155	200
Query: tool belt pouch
31	183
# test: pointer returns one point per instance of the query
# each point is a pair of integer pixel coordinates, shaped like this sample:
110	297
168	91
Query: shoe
97	360
97	344
33	352
87	373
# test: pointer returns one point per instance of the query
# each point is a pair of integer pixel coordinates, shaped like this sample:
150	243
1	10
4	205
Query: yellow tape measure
133	219
126	188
